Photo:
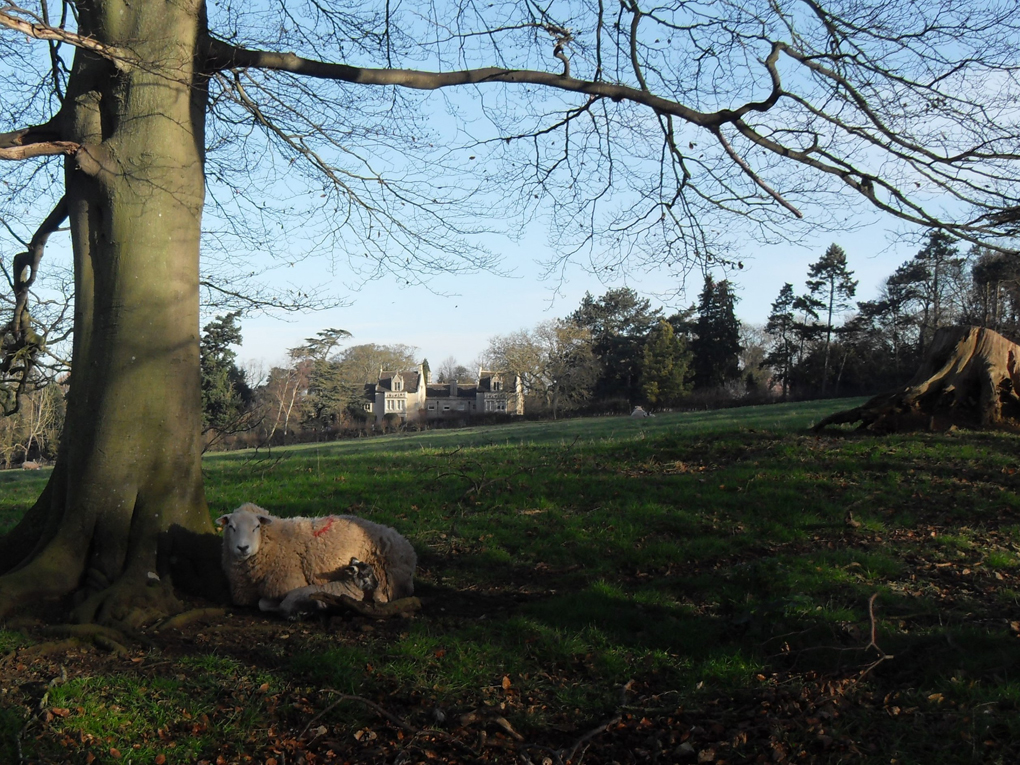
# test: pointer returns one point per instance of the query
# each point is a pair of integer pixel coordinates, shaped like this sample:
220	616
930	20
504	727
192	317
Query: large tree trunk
969	377
128	469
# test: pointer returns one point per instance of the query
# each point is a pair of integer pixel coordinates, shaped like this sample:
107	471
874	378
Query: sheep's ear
265	520
223	520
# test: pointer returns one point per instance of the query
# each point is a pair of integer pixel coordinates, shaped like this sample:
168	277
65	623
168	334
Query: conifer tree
225	392
665	367
619	323
782	327
716	346
831	286
941	277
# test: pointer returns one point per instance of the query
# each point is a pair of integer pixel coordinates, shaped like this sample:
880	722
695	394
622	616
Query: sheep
280	563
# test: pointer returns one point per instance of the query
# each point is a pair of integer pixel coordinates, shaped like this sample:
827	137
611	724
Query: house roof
411	380
443	391
485	379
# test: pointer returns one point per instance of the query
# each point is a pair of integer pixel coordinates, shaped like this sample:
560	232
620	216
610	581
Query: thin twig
589	736
882	655
624	690
342	697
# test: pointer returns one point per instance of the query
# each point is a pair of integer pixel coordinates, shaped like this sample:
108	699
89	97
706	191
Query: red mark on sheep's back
325	528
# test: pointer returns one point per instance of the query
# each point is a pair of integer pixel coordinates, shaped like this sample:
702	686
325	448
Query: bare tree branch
35	27
225	56
36	141
20	344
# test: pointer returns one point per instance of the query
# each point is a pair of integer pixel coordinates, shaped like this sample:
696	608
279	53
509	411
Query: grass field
698	587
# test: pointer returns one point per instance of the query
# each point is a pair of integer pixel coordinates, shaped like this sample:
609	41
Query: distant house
409	395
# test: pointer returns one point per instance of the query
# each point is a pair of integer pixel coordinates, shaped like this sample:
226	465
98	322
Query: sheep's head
242	532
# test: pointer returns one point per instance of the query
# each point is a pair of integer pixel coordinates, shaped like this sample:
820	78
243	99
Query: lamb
280	563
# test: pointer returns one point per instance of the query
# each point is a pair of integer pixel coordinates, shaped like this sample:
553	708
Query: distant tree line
31	434
820	343
616	351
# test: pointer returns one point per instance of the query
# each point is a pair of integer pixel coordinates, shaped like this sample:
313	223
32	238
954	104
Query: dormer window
497	384
398	383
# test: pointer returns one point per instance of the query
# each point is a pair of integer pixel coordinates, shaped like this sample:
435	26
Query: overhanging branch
37	29
225	56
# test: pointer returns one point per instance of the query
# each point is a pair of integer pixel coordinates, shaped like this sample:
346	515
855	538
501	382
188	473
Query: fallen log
968	378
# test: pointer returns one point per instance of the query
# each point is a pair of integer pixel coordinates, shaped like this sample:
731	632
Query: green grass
18	490
703	561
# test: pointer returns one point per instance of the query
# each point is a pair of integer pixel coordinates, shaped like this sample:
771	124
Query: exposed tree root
968	378
131	602
32	652
190	617
83	631
102	637
112	646
106	638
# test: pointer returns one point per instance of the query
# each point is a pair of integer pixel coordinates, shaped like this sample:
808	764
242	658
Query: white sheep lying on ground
280	562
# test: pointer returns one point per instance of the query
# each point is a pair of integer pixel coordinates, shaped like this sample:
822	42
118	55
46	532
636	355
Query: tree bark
968	378
128	469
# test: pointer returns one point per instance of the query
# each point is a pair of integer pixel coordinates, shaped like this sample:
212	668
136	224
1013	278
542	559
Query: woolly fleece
292	553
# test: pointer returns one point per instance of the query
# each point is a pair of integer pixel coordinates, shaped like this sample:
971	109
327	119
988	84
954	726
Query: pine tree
716	345
665	367
995	291
782	327
942	277
225	392
329	393
831	286
619	323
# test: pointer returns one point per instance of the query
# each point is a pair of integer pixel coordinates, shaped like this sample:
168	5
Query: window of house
497	384
398	383
432	406
446	407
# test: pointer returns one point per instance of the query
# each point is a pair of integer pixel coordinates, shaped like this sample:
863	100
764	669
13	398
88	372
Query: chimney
453	388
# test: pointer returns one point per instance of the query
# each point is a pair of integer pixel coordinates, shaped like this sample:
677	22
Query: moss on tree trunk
969	377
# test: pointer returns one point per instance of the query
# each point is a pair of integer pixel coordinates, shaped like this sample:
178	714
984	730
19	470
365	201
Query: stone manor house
411	394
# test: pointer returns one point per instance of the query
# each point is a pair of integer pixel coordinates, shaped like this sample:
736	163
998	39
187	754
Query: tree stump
968	378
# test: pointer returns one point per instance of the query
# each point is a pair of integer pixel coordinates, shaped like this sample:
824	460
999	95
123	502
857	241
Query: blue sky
473	308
